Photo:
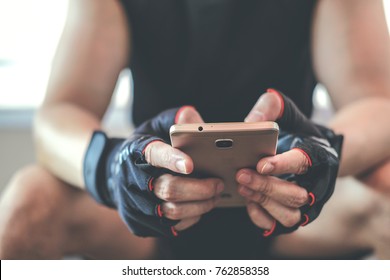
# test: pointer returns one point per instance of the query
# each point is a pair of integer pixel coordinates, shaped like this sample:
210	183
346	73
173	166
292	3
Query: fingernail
220	187
244	178
181	166
267	168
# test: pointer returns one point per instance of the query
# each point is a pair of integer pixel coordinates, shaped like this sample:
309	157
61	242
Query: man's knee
354	202
378	179
378	229
29	210
367	214
378	182
33	191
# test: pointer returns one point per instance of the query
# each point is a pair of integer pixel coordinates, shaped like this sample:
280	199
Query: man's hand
306	168
140	176
182	198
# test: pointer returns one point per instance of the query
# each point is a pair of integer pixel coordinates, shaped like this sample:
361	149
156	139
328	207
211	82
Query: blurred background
29	33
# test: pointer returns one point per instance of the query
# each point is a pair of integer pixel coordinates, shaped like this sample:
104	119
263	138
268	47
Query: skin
81	90
366	67
355	68
351	58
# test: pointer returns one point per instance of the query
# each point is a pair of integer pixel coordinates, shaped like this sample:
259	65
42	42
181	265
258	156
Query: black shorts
221	234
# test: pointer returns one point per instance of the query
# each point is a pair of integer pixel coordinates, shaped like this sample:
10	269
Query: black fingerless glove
117	175
321	146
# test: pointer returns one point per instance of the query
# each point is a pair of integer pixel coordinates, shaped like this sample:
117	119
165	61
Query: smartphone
221	149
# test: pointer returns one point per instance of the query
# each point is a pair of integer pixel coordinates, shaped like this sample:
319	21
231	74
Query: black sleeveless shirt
219	56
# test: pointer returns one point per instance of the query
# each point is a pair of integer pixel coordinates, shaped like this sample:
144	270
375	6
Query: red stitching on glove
174	232
313	198
306	220
180	110
305	154
279	95
159	211
267	233
150	184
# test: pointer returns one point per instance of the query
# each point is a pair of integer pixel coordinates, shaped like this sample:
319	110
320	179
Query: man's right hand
140	176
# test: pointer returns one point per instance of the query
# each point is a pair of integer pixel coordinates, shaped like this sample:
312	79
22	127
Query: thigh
100	232
39	210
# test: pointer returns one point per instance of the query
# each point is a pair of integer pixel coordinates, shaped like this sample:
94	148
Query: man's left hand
289	189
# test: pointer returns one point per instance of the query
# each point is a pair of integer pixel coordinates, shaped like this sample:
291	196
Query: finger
290	118
186	223
259	216
175	188
287	216
183	210
280	190
160	154
295	161
188	114
267	108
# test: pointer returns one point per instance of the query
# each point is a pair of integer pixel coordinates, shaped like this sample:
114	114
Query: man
203	49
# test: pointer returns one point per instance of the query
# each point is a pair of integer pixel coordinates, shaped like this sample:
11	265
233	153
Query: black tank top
219	56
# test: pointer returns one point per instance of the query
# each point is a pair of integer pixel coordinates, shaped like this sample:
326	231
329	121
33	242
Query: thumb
188	114
267	108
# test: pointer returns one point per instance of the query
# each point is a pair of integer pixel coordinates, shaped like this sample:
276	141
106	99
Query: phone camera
224	143
200	128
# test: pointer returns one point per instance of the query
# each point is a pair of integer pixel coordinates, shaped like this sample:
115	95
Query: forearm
365	126
62	133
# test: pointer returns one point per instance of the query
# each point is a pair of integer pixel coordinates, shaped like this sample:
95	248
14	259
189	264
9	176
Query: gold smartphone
221	149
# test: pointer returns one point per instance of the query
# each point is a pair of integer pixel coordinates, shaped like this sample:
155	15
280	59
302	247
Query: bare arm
92	51
351	48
